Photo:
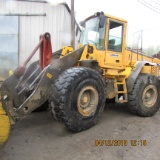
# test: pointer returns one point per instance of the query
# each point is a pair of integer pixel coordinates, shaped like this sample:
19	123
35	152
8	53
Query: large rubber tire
144	100
67	103
4	127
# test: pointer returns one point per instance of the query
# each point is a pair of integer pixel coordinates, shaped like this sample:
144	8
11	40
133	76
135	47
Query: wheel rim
149	96
87	101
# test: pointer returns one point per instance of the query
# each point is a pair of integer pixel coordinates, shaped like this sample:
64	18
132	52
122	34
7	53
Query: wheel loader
76	83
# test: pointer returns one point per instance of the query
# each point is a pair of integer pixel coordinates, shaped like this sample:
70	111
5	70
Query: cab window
115	36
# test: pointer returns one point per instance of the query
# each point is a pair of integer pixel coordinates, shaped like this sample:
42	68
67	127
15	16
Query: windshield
92	33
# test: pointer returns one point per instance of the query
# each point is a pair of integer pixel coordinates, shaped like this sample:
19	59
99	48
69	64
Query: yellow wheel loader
76	83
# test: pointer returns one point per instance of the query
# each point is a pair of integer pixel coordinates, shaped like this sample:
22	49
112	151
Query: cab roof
107	15
116	18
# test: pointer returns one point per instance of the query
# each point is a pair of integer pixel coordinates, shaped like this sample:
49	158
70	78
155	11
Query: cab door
115	39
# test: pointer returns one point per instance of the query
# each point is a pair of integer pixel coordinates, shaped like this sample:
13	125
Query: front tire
144	100
78	98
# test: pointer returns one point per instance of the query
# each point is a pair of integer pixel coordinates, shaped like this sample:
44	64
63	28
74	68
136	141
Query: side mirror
82	23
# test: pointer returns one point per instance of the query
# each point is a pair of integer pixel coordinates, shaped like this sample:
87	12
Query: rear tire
144	100
78	99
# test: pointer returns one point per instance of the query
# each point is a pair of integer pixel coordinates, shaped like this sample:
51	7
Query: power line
155	2
149	6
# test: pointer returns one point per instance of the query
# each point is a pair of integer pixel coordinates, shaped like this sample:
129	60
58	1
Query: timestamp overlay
133	142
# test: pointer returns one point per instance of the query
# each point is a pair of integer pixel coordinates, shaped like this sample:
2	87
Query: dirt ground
39	137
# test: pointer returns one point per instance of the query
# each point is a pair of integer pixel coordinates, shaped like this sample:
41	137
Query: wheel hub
87	101
149	96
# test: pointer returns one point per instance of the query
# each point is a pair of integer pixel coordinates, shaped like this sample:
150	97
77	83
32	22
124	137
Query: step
124	92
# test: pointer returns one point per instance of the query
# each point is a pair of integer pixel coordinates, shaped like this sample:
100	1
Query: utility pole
72	24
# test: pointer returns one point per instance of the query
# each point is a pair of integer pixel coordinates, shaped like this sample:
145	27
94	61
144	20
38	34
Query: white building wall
57	22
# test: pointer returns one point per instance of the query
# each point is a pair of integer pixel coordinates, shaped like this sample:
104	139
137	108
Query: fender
135	72
90	63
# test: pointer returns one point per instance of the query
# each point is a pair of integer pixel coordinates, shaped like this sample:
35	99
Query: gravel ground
39	137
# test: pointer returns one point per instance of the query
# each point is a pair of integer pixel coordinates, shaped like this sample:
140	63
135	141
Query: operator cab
93	30
108	34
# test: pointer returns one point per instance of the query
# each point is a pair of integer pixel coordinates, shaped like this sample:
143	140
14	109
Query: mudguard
134	74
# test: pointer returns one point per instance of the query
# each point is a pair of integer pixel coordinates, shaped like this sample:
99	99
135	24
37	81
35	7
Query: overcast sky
139	16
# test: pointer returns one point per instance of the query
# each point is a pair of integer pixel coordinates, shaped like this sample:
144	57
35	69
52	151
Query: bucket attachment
28	89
